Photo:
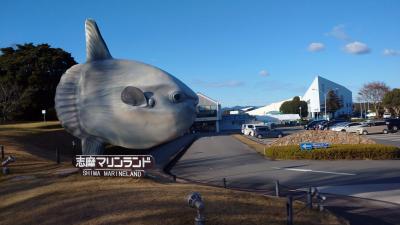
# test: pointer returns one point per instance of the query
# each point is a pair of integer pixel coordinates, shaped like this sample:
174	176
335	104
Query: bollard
2	151
224	180
289	210
277	188
309	198
321	199
58	156
5	170
73	153
195	201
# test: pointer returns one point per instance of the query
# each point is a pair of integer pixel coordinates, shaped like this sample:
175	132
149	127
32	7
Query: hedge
335	152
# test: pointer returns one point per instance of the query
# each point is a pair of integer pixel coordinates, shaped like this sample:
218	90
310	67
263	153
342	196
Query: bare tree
374	92
9	99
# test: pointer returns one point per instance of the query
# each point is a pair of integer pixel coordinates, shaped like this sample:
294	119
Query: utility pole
325	105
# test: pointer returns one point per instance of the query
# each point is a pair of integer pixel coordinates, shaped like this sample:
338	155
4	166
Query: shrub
335	152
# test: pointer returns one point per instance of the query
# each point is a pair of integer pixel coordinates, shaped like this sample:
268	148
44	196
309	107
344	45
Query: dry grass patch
89	200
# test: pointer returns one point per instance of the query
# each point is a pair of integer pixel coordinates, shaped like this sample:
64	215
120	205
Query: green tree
293	107
29	74
333	102
391	100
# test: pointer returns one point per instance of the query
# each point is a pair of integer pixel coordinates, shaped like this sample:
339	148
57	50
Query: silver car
374	127
354	127
347	127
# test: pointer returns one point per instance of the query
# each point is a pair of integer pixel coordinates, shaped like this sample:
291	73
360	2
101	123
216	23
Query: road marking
314	171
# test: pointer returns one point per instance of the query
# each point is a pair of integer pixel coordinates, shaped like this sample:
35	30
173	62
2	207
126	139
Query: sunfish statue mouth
122	102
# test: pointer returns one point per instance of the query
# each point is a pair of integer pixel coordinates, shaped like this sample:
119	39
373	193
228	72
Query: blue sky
238	52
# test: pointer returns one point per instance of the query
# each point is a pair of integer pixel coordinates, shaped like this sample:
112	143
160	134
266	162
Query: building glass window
206	111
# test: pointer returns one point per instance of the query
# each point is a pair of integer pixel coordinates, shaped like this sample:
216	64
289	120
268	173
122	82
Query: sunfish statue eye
94	101
177	96
133	96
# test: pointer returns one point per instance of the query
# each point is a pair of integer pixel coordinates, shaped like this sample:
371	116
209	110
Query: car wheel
385	131
259	136
365	132
395	128
280	135
343	130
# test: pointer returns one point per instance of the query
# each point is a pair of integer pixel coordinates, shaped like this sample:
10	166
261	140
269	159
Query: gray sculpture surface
121	102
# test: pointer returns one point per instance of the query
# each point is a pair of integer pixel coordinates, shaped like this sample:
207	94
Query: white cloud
339	33
264	73
219	84
356	48
390	52
316	47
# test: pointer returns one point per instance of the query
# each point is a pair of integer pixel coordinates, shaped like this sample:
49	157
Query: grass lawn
34	194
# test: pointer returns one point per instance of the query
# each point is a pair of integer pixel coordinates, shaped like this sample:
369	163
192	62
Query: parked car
313	124
353	127
347	127
387	115
246	127
341	124
265	131
393	124
327	125
374	127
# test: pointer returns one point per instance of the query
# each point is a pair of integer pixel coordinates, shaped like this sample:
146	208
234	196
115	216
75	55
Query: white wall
315	96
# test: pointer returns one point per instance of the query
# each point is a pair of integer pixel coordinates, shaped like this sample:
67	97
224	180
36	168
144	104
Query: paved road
387	139
210	159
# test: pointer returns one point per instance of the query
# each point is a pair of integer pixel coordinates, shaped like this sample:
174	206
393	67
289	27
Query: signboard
114	165
313	145
43	111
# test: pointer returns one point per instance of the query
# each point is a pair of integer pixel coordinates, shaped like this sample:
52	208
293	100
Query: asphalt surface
387	139
211	159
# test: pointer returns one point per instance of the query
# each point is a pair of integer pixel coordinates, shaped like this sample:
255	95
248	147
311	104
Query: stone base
332	137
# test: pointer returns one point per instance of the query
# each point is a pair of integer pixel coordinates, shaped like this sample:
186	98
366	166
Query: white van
248	128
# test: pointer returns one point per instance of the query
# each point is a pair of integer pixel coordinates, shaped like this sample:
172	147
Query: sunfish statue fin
92	146
96	48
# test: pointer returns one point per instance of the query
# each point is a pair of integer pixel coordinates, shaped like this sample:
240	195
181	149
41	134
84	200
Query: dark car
313	124
264	132
393	124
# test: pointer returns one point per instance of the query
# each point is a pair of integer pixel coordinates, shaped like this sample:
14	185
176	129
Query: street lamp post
325	95
300	111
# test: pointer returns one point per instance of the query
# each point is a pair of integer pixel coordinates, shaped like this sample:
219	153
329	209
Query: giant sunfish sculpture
121	102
